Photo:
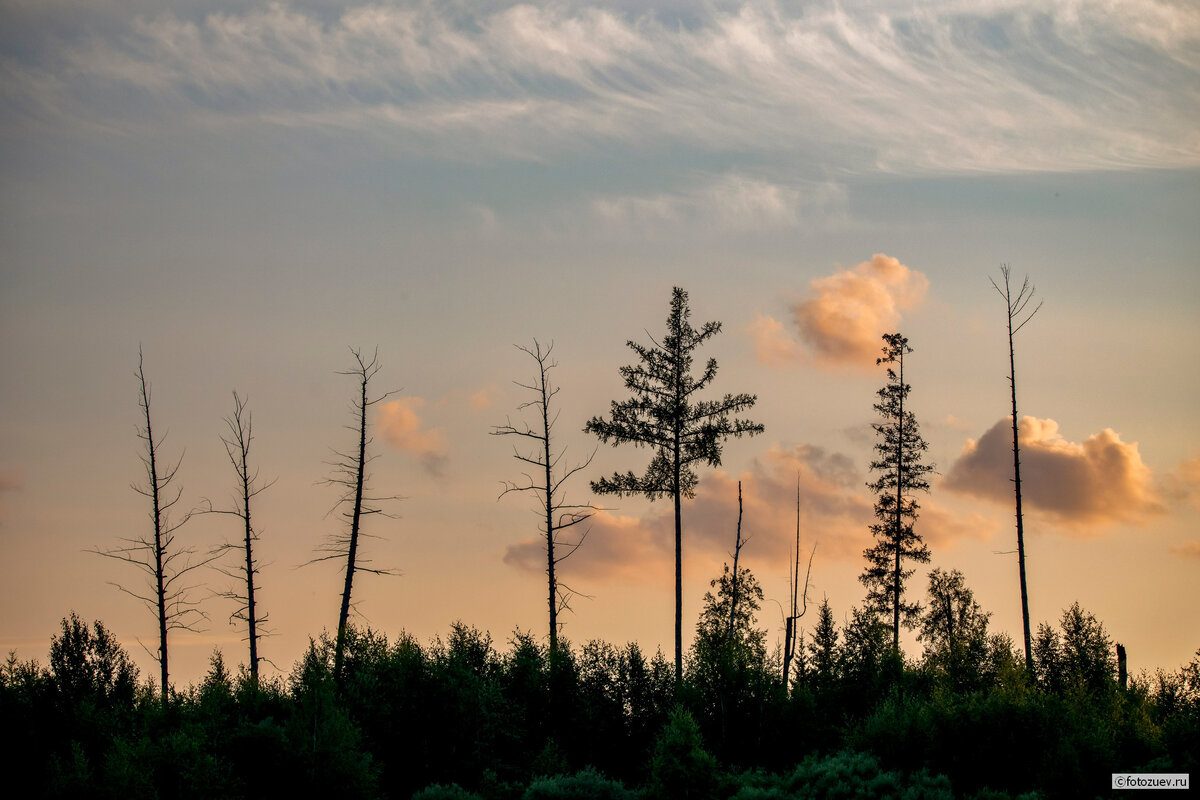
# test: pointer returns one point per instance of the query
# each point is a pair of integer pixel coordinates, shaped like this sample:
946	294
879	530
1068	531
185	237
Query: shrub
585	785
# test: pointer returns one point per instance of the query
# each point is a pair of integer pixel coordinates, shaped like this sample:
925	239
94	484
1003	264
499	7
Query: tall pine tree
665	415
899	452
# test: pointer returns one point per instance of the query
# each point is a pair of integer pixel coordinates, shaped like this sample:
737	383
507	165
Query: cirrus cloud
1008	86
1078	485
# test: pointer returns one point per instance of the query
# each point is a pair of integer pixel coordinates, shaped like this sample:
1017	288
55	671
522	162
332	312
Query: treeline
463	718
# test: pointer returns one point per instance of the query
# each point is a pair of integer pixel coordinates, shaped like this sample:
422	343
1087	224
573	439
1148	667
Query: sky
247	190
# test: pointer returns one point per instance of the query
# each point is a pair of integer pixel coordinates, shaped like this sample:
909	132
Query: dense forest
462	718
836	711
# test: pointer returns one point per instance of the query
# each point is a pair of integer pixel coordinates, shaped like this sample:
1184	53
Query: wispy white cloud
1009	85
732	202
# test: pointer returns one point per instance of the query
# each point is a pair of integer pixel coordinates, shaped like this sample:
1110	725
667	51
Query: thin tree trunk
251	619
1015	309
1012	380
553	590
159	574
789	634
344	614
678	569
899	515
737	549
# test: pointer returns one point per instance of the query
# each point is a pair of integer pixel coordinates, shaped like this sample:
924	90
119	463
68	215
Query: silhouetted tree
350	473
737	552
823	648
158	553
88	664
729	653
554	513
953	626
1080	656
901	472
663	415
731	613
1017	316
237	448
864	647
799	600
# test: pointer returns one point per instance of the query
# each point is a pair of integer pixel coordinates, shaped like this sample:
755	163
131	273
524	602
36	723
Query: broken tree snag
1122	669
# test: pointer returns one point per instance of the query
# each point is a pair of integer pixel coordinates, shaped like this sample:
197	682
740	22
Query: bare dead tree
163	559
356	500
799	605
1016	311
555	515
237	448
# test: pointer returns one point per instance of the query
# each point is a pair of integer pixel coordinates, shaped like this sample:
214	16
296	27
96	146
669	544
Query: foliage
664	415
730	679
459	718
1080	657
438	791
587	784
681	767
88	665
899	452
953	629
849	775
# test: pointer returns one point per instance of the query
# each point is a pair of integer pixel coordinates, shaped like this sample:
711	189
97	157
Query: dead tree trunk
237	448
350	472
737	551
799	606
1014	311
554	513
161	558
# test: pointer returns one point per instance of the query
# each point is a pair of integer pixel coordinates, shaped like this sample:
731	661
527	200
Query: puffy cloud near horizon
402	428
842	325
1077	485
636	549
836	511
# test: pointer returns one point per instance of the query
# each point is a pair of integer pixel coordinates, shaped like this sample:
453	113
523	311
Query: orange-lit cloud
401	428
843	324
854	308
480	400
835	507
773	346
943	530
1184	482
1100	481
1188	549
